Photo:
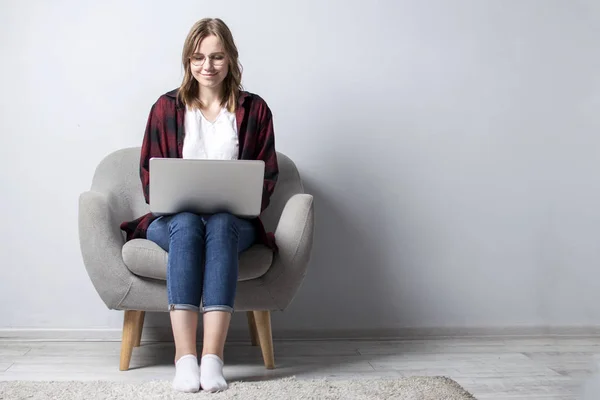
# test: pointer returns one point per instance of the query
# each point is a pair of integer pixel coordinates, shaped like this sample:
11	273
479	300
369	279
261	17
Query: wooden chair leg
139	327
252	328
265	337
130	323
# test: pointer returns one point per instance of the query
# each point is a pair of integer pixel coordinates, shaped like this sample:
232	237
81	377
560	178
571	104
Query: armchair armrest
294	238
101	242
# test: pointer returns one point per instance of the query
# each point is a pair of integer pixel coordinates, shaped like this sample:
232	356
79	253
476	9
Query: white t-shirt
216	140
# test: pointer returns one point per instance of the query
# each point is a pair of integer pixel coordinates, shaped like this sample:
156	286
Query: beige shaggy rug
410	388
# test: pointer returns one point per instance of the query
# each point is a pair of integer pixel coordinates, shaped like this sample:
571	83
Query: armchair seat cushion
147	259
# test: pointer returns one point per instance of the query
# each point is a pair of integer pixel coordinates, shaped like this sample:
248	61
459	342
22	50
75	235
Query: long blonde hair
232	84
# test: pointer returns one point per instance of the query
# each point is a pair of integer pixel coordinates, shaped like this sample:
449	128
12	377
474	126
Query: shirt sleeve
267	153
152	146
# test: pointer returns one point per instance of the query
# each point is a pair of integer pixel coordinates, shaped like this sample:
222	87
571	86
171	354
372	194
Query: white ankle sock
187	375
211	373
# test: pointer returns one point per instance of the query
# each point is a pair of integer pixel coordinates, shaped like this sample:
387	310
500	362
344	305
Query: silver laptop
206	186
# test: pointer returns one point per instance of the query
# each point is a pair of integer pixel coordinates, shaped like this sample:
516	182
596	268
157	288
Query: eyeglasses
217	60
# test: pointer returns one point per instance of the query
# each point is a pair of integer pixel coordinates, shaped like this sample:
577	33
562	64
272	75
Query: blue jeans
203	258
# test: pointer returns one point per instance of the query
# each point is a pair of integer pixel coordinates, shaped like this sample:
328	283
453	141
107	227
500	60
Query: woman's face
209	63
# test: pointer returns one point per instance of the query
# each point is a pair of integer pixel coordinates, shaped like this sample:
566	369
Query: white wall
452	147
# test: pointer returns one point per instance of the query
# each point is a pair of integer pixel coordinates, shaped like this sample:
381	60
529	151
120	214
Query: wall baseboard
164	334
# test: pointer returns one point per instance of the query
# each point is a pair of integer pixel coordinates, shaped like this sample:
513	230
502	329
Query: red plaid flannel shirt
164	138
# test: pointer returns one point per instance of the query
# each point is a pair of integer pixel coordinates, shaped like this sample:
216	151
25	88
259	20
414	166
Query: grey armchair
132	276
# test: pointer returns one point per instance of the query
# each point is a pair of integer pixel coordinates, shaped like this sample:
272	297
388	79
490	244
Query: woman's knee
221	222
187	222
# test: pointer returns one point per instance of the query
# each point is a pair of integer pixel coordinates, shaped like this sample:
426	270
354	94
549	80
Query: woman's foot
187	375
211	373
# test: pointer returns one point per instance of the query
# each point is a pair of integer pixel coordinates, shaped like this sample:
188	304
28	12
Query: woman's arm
266	152
152	146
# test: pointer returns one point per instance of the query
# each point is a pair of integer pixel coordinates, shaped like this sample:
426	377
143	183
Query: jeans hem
188	307
217	308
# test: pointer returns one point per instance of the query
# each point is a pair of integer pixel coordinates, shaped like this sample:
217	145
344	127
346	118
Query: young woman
210	117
